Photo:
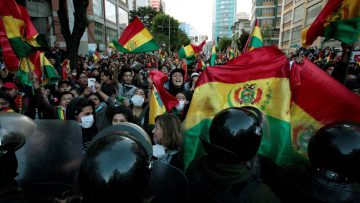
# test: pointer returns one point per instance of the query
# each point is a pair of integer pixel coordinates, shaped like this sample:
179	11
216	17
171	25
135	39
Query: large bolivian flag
136	39
339	19
317	99
259	78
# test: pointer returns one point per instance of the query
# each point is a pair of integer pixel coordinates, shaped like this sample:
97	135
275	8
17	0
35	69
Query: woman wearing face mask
140	108
181	109
168	139
103	106
82	110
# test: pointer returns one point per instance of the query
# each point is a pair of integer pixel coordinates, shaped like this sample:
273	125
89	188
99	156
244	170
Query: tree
224	43
160	30
81	22
146	15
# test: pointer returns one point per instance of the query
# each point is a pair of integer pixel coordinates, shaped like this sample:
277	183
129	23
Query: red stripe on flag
317	27
259	57
159	79
10	58
130	31
10	8
321	96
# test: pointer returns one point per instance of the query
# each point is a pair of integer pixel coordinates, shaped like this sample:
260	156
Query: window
268	11
97	7
287	17
111	34
287	2
123	17
99	33
298	13
110	11
286	36
268	22
312	12
295	37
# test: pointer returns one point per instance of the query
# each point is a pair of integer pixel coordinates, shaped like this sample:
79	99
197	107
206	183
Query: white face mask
181	105
137	100
87	121
158	151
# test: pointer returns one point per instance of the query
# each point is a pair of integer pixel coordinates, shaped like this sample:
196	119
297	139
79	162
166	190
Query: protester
122	114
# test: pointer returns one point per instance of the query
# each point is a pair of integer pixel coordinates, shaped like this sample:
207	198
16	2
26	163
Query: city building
186	27
268	14
298	15
107	20
135	4
224	18
242	25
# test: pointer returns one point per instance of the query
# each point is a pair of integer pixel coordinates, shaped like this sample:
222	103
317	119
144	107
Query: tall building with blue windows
224	18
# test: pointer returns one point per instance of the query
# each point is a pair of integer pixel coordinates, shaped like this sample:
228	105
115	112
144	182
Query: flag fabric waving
259	78
296	102
255	39
339	19
317	99
136	38
159	79
156	106
18	35
189	52
213	56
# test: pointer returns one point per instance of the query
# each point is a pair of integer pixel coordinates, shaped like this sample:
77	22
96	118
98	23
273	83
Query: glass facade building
224	18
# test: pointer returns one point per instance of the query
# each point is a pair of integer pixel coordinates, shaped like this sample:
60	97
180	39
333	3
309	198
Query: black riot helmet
235	134
334	151
116	167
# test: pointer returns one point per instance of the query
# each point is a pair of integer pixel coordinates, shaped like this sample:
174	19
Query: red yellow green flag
18	35
189	52
317	99
339	19
156	107
213	55
37	63
255	39
259	78
136	38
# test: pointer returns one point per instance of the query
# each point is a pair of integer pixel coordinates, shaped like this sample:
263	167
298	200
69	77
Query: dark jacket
216	182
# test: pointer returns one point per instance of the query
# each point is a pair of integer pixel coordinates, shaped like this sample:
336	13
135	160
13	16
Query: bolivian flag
156	107
317	99
136	39
37	63
260	79
213	56
189	52
339	19
21	34
255	39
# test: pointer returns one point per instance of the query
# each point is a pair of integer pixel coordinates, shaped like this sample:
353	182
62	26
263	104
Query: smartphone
91	84
2	66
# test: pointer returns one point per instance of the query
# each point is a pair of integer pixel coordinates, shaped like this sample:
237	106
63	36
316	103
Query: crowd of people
116	89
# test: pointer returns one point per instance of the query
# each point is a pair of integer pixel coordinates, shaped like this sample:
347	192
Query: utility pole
169	31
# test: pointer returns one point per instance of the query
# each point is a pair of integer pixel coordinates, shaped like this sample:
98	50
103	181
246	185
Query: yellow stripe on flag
189	51
13	26
156	106
271	95
26	65
257	33
138	40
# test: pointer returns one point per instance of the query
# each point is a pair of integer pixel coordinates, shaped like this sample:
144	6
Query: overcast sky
199	13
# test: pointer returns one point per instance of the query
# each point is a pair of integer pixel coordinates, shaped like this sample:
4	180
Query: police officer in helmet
222	175
334	171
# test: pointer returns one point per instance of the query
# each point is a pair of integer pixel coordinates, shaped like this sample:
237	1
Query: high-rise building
186	27
242	25
297	15
268	14
224	18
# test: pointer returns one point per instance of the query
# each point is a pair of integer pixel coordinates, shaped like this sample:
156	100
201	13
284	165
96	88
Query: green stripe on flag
256	42
20	47
151	45
346	31
276	143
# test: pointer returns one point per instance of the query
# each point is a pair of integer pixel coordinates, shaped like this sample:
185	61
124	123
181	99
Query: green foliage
160	30
224	43
145	14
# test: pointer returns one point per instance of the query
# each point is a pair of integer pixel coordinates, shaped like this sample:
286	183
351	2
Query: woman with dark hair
121	114
82	110
6	103
126	89
168	139
140	108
